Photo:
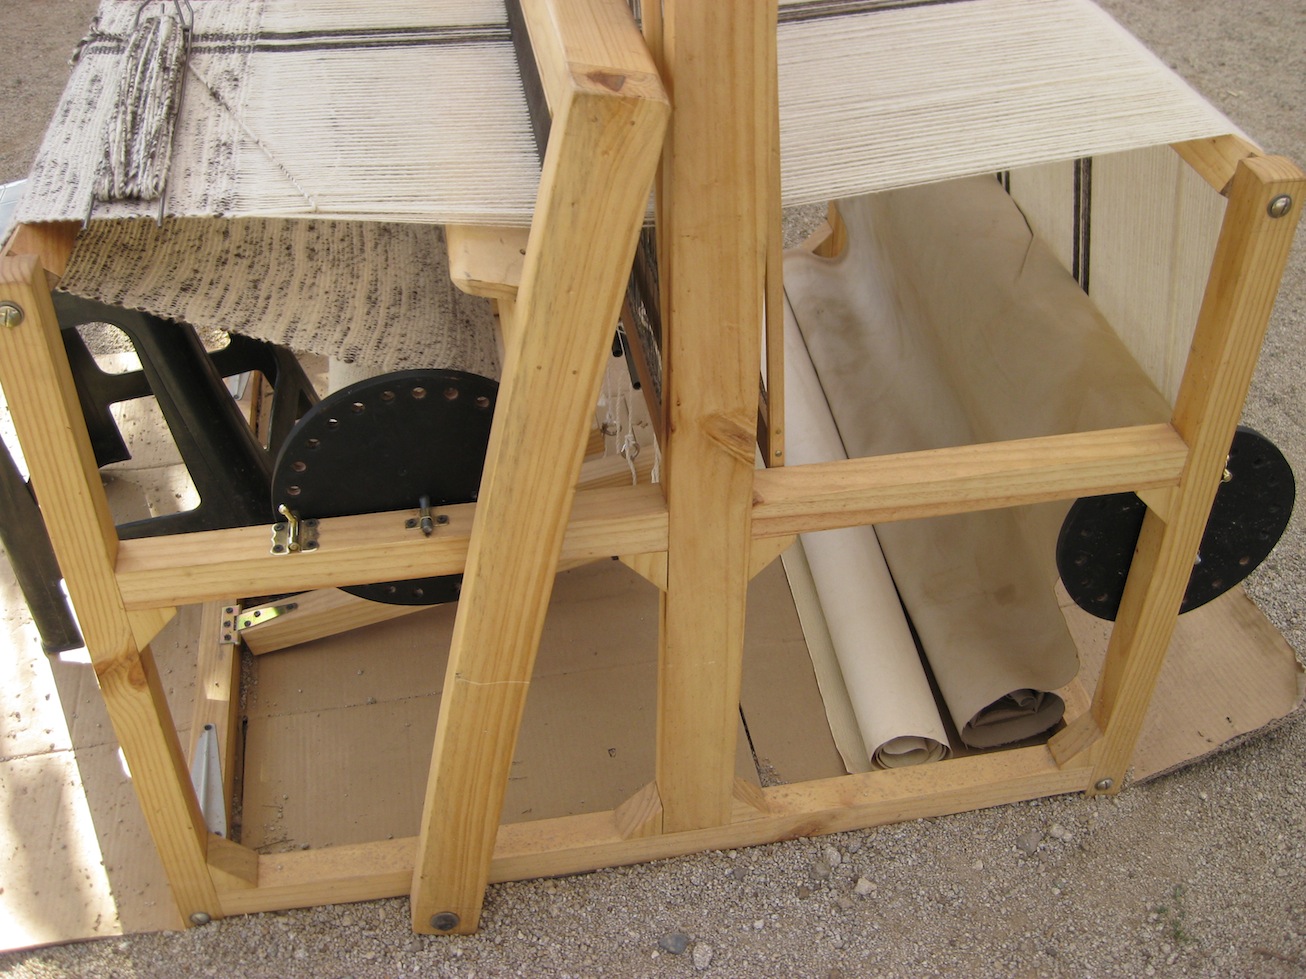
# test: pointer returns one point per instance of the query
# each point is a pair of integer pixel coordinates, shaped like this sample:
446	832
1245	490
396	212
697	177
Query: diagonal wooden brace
609	112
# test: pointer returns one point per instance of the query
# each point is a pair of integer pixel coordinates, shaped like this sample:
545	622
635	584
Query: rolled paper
943	323
882	671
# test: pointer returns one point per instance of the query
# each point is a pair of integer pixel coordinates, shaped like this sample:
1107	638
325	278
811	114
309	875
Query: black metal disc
383	444
1250	514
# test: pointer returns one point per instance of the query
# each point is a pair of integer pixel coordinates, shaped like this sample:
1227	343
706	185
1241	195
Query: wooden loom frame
713	523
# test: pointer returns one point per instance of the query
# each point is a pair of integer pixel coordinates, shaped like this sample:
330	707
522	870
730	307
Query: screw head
1280	206
200	918
11	314
1104	785
445	921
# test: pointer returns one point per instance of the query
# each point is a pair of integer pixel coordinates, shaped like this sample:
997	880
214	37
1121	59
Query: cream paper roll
890	695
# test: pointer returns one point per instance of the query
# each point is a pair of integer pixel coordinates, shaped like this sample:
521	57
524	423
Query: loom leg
38	385
713	222
602	152
1249	260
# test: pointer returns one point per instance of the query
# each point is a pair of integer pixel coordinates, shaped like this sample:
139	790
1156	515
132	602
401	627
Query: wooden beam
1216	158
486	261
37	382
1250	256
822	496
50	244
575	844
712	239
609	112
189	568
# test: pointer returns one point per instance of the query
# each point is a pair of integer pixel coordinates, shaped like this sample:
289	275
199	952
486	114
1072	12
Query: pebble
1059	832
1030	841
863	887
702	957
674	942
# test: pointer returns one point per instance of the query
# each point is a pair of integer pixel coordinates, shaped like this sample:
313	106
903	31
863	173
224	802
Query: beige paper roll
886	683
945	323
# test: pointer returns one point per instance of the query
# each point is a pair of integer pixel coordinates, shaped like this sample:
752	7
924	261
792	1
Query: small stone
820	869
832	856
863	887
1029	842
702	957
674	942
804	892
977	865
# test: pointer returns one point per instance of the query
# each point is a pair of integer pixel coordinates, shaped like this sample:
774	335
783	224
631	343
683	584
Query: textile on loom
413	112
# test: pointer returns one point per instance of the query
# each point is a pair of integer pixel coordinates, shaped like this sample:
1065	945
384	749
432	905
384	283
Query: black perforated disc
383	444
1250	513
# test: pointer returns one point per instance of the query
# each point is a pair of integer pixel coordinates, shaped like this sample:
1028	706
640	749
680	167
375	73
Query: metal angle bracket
264	613
293	535
228	627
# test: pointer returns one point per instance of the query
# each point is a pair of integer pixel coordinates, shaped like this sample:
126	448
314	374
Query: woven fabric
374	294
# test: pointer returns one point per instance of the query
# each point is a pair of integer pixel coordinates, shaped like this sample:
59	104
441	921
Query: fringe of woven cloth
374	294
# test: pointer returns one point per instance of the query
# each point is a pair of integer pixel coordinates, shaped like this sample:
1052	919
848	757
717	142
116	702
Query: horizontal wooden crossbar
575	844
826	495
605	522
190	568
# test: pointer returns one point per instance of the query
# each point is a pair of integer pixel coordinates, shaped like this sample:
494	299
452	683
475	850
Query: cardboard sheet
340	730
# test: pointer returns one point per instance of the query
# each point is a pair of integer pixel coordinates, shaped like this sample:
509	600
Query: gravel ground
1199	873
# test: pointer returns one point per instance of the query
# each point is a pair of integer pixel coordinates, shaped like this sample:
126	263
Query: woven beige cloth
365	293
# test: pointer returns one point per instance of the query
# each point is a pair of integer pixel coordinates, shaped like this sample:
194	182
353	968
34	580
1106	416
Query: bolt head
445	921
11	314
200	918
1280	206
1104	785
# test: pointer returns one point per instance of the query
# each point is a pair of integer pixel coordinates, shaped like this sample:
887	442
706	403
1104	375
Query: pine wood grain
609	112
713	212
38	386
1249	261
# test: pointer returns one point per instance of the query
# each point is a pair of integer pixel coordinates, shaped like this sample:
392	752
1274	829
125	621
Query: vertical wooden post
36	380
603	149
1265	202
713	210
